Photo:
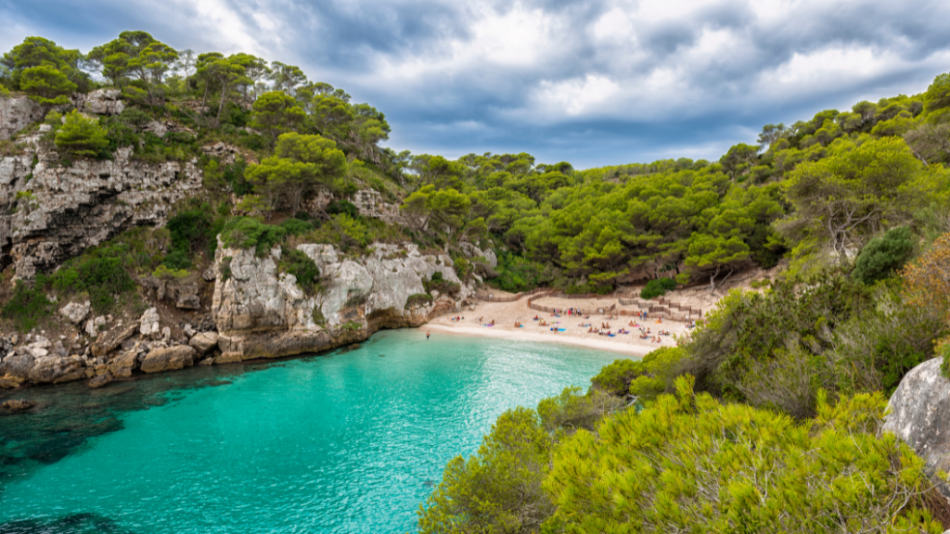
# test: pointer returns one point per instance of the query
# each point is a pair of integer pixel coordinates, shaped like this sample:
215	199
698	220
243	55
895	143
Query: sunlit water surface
350	442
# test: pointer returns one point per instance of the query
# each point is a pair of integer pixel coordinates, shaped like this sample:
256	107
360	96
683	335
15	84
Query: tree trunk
204	100
224	92
712	280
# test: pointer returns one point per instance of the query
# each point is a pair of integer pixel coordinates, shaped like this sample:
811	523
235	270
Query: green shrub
418	299
191	231
884	255
351	326
99	272
657	288
245	232
615	377
515	274
344	207
296	226
582	289
571	411
82	136
443	286
297	263
692	464
169	273
498	489
769	349
645	378
27	306
317	315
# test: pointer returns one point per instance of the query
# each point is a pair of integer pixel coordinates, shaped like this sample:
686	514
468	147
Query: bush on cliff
27	306
81	136
297	263
246	232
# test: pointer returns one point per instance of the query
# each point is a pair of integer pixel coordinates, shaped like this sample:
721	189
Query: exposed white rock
61	211
256	300
16	113
92	326
75	312
149	325
102	102
919	414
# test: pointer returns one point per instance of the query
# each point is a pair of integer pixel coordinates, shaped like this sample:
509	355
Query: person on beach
427	335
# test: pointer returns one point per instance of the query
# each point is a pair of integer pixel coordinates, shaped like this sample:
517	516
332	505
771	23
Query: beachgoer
427	335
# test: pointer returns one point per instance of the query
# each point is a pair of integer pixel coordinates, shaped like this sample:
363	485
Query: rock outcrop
16	113
204	342
100	102
52	213
260	312
919	413
168	359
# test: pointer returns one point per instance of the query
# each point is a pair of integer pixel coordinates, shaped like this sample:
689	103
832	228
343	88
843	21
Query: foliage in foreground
690	463
778	348
685	463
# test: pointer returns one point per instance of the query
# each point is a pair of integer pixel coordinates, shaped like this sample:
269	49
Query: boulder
168	359
75	312
17	368
100	381
104	102
93	326
149	324
204	342
919	414
110	341
53	370
123	365
18	405
188	302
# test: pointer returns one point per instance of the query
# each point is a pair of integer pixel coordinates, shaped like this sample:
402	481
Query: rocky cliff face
920	415
261	312
49	213
16	113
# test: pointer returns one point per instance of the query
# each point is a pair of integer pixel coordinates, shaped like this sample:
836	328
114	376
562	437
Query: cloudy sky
593	82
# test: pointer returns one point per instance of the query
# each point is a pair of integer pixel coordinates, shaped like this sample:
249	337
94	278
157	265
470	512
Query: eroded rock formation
261	312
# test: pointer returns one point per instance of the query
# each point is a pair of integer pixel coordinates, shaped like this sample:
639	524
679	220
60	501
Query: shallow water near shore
349	442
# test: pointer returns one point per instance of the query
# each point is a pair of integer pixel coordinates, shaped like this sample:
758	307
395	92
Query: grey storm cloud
596	82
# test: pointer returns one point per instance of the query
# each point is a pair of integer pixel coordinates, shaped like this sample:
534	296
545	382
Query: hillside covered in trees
765	420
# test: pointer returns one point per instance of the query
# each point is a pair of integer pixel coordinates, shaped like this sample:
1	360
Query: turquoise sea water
350	442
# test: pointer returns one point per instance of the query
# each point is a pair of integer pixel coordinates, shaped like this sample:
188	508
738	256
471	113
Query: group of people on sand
457	319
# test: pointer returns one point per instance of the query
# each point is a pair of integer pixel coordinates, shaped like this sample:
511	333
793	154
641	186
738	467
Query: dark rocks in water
70	524
100	381
382	355
429	483
18	405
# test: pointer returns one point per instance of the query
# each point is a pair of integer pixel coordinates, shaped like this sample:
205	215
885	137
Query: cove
349	442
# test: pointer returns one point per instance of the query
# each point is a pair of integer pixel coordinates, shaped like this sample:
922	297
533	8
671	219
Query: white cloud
576	97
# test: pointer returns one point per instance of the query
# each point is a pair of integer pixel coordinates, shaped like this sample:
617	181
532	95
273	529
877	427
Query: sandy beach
505	314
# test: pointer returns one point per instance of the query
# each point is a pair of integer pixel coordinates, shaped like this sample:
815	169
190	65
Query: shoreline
630	350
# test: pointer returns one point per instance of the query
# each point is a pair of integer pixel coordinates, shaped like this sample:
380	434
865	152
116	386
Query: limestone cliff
50	212
260	312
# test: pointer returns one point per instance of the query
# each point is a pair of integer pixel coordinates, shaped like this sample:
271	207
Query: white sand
506	313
